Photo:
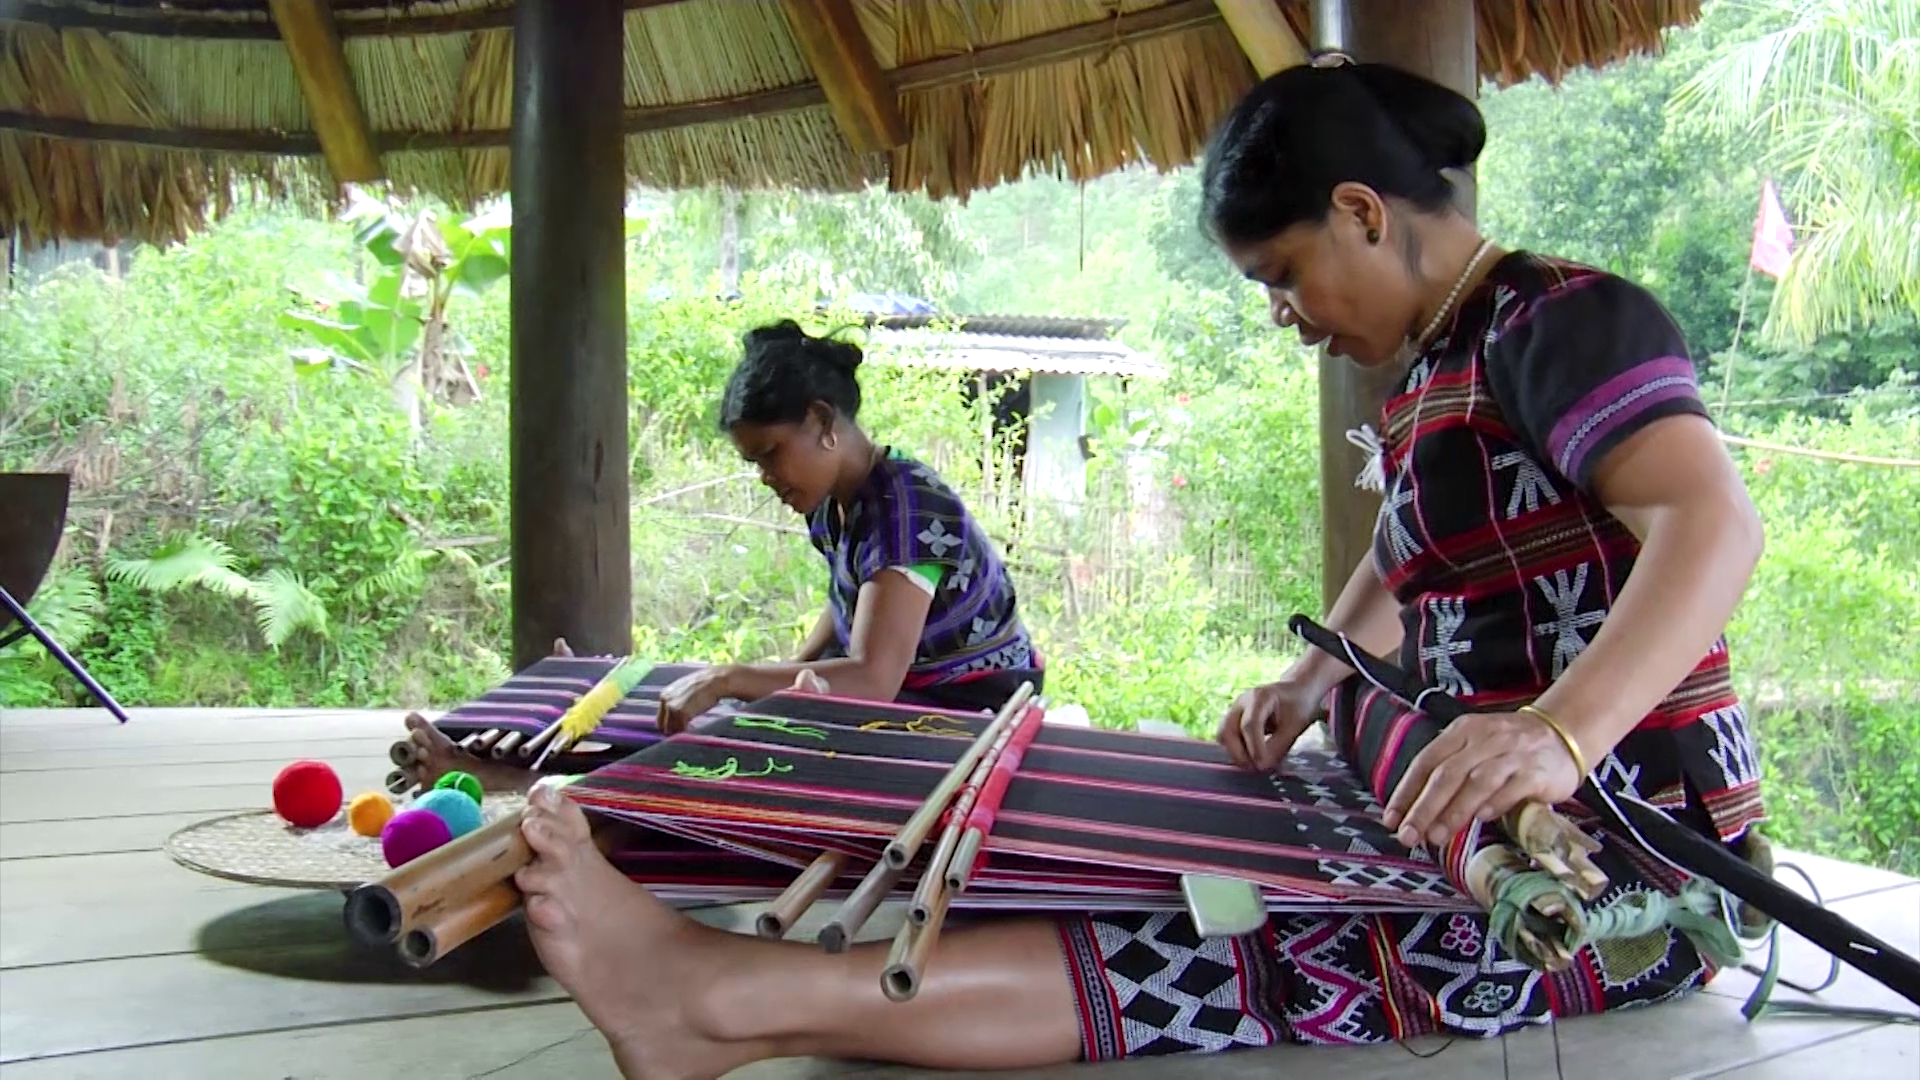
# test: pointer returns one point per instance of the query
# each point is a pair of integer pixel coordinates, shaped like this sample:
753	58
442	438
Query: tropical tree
1833	97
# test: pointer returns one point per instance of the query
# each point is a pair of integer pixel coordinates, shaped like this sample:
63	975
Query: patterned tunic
974	648
1503	560
1505	565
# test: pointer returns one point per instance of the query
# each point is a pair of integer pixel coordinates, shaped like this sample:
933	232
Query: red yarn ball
307	794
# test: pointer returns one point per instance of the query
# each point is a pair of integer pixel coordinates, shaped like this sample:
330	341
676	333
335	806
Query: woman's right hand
1263	723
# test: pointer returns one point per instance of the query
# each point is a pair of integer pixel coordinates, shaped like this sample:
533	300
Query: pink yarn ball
411	834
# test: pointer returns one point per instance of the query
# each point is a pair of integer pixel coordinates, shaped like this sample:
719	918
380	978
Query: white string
1373	476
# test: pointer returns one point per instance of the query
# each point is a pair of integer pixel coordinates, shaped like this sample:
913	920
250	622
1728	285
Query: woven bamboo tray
258	847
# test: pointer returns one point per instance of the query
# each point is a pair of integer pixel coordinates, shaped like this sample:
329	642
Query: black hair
784	372
1275	160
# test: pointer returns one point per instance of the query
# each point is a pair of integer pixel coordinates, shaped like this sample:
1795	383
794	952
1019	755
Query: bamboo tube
960	870
539	742
487	739
901	849
858	907
774	923
933	883
425	944
937	866
402	753
913	952
381	912
507	744
399	783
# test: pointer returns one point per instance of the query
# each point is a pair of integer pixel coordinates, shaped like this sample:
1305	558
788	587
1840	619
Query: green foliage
1832	92
282	604
216	485
68	608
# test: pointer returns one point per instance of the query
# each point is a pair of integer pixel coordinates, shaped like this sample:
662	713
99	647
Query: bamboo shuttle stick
539	742
921	907
960	870
933	883
858	907
425	944
774	923
901	849
913	952
487	739
381	912
507	744
468	743
556	745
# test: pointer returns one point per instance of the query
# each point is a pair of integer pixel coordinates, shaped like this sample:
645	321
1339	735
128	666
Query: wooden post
319	62
567	408
1433	38
1263	33
862	100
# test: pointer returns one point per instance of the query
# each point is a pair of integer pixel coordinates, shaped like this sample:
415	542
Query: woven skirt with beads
1147	984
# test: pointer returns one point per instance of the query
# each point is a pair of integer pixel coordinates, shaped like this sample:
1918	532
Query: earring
1373	236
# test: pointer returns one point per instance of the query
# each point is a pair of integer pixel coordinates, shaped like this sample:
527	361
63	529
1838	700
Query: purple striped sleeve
1615	407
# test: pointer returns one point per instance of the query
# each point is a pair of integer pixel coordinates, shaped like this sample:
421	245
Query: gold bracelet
1579	759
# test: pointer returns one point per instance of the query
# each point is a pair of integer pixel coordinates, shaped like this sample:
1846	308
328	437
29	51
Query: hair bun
844	355
1445	127
787	334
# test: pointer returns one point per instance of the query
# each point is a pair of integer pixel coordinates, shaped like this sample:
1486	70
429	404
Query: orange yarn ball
369	812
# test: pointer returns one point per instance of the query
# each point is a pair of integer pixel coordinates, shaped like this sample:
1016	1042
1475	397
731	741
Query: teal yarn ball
452	806
460	781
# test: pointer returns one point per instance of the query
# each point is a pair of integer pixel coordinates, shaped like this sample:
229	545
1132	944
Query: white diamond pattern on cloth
1211	967
1374	876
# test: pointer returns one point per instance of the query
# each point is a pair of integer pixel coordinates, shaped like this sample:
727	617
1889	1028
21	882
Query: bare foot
435	755
632	964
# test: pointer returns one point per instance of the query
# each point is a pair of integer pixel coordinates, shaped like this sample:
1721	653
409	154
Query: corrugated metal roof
1002	352
1085	328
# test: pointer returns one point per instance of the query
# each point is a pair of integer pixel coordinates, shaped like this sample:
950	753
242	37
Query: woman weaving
920	607
1562	542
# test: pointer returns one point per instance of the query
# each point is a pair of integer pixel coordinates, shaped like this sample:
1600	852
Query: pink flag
1772	238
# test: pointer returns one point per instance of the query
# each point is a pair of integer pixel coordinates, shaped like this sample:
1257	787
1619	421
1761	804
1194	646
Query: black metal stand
28	626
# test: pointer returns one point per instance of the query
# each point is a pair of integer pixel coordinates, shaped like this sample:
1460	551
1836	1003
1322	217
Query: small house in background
1037	367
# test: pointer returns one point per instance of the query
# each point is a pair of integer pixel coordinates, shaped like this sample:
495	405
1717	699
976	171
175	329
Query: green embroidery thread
781	724
725	772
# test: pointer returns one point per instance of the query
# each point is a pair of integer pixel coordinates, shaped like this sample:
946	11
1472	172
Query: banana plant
395	328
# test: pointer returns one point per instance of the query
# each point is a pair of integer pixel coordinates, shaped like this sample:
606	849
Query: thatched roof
133	120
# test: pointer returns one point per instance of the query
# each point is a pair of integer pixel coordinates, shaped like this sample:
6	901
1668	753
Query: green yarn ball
461	782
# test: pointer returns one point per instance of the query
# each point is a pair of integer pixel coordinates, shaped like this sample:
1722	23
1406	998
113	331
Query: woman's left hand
1481	766
691	695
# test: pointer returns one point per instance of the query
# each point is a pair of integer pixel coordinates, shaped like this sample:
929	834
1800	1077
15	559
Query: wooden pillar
1433	38
567	407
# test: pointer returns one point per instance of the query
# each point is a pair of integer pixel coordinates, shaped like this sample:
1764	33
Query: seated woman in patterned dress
920	607
1562	543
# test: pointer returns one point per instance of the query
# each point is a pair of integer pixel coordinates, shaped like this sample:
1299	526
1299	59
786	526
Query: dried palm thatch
124	120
